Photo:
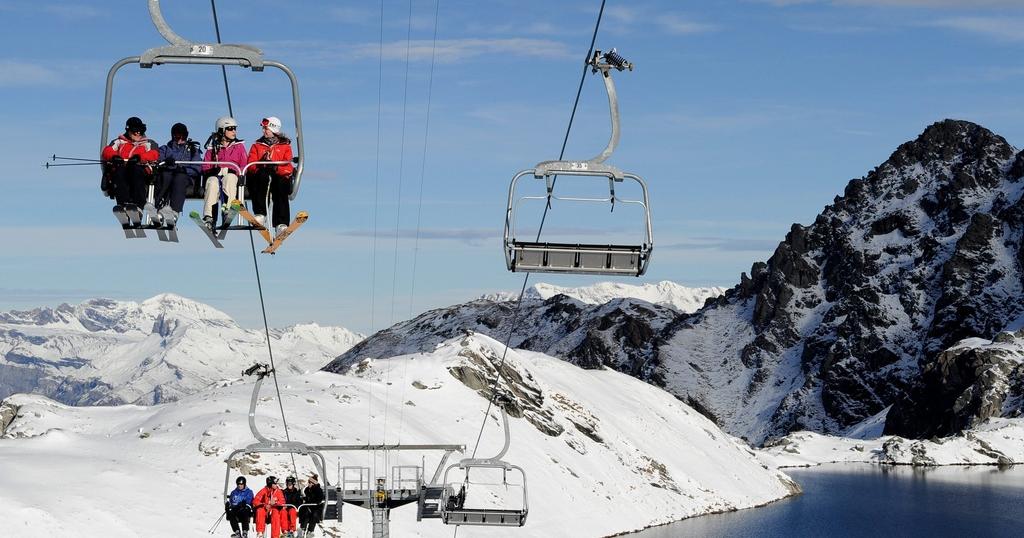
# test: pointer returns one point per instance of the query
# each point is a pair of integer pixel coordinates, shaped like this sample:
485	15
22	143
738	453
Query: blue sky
743	116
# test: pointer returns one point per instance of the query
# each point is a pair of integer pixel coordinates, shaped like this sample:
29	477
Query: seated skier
175	179
239	508
127	165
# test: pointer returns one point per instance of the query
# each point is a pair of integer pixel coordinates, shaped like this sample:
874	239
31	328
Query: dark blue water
869	500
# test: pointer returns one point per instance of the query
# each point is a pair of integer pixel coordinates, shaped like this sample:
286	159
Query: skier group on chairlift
289	512
132	161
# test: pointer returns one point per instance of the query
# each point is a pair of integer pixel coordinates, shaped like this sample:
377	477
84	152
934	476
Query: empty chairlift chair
453	501
582	258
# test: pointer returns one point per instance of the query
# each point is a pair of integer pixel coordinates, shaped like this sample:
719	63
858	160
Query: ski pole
52	165
57	157
217	523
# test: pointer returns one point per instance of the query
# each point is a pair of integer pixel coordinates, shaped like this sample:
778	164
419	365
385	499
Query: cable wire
256	266
519	302
419	207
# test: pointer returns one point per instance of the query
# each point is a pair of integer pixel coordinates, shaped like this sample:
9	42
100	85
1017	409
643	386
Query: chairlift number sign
201	50
576	165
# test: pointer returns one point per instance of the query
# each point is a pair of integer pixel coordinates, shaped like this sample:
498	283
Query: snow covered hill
110	352
607	324
997	441
665	293
603	452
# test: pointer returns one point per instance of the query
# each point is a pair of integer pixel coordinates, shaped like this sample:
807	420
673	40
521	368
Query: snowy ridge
604	453
665	293
109	352
999	441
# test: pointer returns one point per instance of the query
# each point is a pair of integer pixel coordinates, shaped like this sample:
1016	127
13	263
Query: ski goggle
265	122
137	131
231	128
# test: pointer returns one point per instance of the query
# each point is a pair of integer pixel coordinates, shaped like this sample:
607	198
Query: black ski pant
308	518
130	184
171	189
239	516
259	182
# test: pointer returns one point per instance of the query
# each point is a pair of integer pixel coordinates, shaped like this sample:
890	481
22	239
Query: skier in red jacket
277	179
268	503
127	164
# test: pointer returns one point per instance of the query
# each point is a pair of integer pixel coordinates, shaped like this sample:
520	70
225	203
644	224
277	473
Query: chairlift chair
452	502
183	51
582	258
331	508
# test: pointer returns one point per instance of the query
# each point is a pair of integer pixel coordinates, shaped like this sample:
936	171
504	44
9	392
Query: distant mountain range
898	305
105	352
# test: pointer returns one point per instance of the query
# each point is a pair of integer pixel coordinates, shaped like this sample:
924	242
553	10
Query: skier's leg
137	179
122	190
280	187
257	183
212	195
179	185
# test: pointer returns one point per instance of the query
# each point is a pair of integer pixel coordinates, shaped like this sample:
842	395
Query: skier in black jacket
292	497
309	516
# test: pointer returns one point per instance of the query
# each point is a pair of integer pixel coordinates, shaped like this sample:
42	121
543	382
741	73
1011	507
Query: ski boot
168	217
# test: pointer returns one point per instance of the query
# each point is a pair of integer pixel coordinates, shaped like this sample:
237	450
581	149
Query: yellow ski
300	219
236	205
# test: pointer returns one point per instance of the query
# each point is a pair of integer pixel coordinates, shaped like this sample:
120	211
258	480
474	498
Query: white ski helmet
225	122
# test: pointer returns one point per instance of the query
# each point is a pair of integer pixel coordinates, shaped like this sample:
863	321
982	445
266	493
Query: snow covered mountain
110	352
664	293
603	453
852	311
851	316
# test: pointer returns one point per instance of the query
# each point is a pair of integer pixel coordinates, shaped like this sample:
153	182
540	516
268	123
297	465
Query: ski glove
134	159
169	162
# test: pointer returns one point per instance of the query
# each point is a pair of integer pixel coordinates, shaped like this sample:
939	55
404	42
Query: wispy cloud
64	11
725	244
462	235
20	74
1000	28
676	24
673	23
447	50
455	50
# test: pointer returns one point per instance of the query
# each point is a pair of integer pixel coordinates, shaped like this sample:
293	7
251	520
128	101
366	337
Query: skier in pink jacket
222	181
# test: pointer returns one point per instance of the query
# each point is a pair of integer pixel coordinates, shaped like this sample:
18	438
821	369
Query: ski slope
604	453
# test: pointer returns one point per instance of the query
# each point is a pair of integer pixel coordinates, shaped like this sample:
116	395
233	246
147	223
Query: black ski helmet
271	480
289	480
134	124
240	481
179	129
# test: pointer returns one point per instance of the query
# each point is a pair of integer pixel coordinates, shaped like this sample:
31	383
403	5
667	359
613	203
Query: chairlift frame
455	513
580	258
183	51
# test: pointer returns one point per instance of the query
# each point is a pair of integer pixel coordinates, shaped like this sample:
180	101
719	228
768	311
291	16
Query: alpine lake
872	500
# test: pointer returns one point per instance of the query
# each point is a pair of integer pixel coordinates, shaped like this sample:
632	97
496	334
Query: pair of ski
130	218
235	209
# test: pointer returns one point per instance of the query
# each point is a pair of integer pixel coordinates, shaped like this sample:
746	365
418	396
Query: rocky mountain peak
923	251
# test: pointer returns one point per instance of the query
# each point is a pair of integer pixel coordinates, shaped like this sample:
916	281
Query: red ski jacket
268	497
146	149
281	150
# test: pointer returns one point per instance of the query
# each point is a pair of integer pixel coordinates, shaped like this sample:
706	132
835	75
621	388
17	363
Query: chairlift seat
578	258
485	517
